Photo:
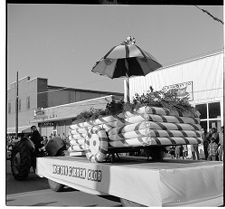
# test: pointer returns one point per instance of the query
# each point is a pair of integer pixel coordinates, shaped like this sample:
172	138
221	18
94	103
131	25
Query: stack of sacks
155	126
76	140
144	127
80	134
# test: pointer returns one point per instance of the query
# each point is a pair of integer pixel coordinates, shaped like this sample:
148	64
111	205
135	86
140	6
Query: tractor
23	155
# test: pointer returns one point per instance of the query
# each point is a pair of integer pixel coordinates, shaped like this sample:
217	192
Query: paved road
35	192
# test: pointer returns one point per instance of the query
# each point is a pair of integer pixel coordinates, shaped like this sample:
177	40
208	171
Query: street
35	192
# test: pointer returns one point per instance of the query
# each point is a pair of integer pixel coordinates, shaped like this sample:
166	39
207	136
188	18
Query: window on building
28	102
210	115
9	107
214	110
19	105
204	124
202	108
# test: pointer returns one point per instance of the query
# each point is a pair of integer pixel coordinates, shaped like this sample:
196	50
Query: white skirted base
171	183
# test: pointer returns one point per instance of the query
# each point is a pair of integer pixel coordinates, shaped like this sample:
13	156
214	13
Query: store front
46	128
201	80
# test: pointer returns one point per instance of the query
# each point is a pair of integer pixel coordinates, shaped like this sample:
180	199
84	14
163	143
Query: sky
63	42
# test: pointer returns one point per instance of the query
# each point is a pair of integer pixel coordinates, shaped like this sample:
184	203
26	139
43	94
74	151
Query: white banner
184	90
152	184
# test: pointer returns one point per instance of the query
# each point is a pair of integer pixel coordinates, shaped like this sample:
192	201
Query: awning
21	129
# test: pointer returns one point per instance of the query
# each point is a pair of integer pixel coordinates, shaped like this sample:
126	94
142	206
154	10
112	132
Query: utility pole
223	147
17	98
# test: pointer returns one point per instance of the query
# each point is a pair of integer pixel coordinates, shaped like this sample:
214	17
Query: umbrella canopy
126	60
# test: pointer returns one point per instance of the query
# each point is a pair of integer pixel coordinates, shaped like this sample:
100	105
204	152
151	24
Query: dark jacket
36	139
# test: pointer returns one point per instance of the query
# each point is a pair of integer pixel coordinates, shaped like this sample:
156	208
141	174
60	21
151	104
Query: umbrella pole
127	99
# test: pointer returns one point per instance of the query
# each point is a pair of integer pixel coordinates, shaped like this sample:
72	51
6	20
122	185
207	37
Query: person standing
185	151
206	140
177	152
195	152
220	148
172	152
36	139
182	151
215	135
212	150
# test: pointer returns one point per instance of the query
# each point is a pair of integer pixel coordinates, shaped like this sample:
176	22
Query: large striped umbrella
126	60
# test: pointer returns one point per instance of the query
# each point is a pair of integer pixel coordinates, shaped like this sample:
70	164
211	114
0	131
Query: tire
54	145
128	203
21	159
61	151
55	186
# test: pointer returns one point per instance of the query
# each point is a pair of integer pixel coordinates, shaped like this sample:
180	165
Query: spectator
212	150
172	152
185	151
182	151
36	139
215	135
206	139
177	152
45	140
195	152
220	148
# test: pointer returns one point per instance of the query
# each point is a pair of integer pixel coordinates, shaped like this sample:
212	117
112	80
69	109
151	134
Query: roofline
82	101
38	78
191	60
31	79
86	90
68	88
19	79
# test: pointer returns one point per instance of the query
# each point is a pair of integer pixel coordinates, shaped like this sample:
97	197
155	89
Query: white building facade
201	79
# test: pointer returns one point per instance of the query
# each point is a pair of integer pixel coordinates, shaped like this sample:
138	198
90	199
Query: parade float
137	181
151	122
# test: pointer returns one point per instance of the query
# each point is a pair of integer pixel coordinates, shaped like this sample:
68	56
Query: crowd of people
38	140
212	147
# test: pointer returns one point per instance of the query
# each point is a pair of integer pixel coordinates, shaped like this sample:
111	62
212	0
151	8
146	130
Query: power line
208	13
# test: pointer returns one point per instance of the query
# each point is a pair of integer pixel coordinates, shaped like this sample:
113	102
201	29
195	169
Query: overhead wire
208	13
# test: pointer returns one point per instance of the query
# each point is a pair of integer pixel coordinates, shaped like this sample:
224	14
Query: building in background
56	120
35	95
200	79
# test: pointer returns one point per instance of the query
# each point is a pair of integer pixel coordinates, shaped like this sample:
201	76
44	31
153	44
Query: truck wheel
128	203
55	186
21	160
